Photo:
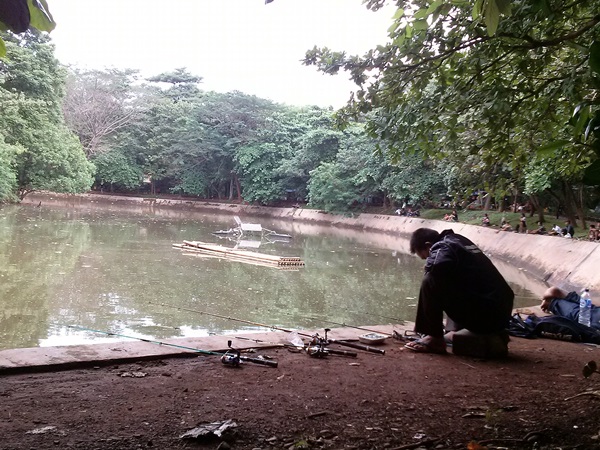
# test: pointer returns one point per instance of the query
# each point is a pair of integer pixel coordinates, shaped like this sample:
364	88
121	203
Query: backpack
564	329
552	327
521	328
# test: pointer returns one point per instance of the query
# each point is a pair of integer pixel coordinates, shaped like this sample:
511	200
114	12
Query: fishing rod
339	323
273	327
231	357
395	319
305	347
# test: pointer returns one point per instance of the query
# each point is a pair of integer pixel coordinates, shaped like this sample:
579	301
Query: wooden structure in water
251	228
260	259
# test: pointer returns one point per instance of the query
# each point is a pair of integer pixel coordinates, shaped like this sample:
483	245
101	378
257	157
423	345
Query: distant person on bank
541	229
566	304
568	230
460	281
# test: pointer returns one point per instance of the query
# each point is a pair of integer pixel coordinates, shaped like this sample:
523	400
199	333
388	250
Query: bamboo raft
260	259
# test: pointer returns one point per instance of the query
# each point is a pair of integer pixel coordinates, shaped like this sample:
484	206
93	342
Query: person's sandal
423	347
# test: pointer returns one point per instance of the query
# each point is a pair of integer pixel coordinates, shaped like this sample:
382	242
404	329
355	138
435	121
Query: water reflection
114	269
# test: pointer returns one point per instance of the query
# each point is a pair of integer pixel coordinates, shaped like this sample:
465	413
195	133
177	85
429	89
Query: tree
8	175
352	178
182	85
446	83
48	156
98	104
307	138
332	189
117	170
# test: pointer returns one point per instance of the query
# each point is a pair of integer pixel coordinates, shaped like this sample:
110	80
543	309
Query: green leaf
421	14
582	118
591	176
477	9
400	40
548	149
504	6
543	6
2	49
393	27
492	17
595	57
398	14
593	126
420	24
434	5
40	15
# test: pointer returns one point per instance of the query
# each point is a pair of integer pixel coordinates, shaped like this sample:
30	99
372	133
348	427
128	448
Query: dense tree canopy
509	83
467	95
442	79
38	151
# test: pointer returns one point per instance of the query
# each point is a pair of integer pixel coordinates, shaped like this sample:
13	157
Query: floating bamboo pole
240	255
245	253
200	254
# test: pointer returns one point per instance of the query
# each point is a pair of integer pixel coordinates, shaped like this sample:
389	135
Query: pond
67	270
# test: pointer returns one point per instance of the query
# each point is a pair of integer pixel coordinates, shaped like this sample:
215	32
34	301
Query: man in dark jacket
461	282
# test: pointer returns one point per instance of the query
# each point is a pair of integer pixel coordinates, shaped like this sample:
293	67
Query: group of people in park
461	283
567	231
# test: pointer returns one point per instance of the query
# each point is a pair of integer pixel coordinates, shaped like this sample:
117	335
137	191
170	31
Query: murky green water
115	270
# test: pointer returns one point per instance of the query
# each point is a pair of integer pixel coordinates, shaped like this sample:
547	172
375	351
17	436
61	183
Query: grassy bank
473	217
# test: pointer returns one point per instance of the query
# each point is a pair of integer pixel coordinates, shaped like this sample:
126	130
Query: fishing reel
232	357
317	346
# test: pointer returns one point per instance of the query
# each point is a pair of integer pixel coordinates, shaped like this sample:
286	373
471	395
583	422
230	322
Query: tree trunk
501	205
238	187
570	203
535	204
580	207
488	202
515	194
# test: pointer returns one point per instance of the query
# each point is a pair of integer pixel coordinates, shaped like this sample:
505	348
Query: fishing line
263	362
317	319
273	327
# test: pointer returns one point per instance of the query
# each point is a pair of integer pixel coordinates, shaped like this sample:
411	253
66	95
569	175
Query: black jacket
466	269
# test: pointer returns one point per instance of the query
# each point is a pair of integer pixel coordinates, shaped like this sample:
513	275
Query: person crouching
461	282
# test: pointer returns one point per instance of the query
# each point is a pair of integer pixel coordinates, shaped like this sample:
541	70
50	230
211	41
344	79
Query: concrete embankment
568	263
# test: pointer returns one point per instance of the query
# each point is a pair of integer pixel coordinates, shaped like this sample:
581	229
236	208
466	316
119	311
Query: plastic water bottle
585	308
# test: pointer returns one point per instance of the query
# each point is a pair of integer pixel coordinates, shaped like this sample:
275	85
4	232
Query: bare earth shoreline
530	400
536	398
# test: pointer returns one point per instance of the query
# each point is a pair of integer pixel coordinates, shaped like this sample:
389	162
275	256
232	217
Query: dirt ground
400	400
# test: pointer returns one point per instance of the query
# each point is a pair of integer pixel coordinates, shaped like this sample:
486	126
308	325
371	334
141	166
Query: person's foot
448	337
428	344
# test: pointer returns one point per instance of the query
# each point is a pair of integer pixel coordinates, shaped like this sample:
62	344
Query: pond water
115	269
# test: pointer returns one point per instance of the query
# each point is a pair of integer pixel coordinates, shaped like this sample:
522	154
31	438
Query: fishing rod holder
231	357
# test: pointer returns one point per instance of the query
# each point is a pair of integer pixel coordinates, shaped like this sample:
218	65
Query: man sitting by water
566	304
460	281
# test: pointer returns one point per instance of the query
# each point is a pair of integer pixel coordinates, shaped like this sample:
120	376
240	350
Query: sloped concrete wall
571	264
